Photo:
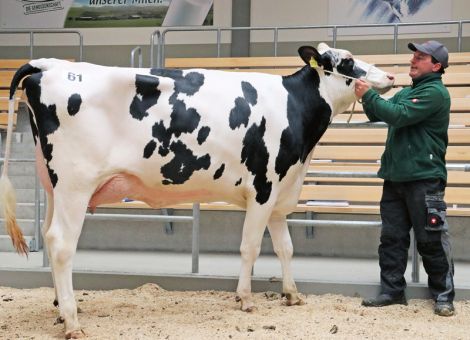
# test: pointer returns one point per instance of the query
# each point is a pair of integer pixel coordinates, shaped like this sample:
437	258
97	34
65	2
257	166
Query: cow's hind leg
283	248
253	228
61	239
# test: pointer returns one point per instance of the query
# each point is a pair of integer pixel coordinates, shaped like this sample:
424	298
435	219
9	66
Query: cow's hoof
248	307
295	301
59	320
237	298
56	303
76	334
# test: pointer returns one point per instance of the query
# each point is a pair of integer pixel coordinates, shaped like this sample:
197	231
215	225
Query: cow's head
337	62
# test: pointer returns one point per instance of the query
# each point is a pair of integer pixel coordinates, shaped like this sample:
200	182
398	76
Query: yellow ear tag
313	63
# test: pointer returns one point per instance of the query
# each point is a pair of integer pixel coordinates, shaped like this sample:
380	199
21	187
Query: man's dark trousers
406	205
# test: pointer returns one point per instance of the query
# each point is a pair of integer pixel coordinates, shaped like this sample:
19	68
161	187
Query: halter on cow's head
338	69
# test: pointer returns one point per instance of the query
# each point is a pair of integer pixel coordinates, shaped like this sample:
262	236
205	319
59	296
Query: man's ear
436	67
307	53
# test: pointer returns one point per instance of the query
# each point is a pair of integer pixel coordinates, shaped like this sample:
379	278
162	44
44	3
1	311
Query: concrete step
21	168
7	246
27	195
23	181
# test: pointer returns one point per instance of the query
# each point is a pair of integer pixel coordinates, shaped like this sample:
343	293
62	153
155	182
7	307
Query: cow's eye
346	66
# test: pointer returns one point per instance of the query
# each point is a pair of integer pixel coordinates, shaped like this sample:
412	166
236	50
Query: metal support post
309	230
195	243
168	225
414	259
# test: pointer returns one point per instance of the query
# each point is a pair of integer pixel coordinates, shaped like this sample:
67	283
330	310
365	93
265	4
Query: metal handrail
45	31
276	29
133	52
159	62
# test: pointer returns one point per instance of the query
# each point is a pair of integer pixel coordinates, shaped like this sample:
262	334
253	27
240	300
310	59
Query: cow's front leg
61	241
282	244
253	228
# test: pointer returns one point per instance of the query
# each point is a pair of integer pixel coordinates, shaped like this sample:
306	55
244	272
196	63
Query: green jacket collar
426	78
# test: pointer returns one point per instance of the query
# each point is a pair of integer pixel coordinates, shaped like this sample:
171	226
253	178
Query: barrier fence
336	29
33	33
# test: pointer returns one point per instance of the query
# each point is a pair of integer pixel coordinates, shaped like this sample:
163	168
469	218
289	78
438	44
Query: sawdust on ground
150	312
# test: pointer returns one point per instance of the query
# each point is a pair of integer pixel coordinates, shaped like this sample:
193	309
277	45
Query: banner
352	12
104	13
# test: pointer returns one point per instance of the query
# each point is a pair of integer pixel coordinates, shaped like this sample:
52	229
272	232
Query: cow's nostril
391	77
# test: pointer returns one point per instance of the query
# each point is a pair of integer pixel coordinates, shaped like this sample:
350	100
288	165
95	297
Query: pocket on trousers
436	212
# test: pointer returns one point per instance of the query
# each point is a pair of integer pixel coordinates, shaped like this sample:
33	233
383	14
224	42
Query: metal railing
137	50
162	41
159	61
32	33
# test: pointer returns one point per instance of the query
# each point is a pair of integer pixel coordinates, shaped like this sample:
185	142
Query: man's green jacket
418	119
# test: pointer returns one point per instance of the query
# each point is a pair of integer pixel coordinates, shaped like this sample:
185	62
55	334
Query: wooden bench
356	148
396	63
8	68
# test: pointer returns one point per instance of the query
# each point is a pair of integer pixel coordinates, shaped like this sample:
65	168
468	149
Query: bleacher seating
8	68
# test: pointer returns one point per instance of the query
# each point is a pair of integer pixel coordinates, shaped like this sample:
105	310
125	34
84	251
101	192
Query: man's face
421	63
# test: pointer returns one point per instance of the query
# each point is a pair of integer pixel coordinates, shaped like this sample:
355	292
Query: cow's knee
284	250
249	253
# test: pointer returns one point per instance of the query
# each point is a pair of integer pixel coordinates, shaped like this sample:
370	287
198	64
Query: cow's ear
310	55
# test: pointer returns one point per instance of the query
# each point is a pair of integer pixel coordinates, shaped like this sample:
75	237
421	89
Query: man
414	172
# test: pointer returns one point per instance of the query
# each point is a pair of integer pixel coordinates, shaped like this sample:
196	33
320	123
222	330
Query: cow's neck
336	92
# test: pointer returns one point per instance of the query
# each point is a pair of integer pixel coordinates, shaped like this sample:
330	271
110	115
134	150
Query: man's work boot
444	308
385	300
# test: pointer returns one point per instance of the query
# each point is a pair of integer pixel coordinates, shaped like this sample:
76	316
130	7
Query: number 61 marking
73	77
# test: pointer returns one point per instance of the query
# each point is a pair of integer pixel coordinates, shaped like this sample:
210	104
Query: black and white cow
166	136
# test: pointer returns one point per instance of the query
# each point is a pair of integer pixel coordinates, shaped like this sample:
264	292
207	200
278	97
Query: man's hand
360	87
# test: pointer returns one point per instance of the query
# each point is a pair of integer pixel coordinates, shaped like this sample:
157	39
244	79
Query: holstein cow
166	136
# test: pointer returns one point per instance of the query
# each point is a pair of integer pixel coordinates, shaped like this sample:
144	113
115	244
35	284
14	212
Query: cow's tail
7	192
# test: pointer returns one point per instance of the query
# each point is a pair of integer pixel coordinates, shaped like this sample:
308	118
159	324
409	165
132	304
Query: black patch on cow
183	164
73	105
34	128
237	183
347	67
147	95
327	61
203	134
240	114
189	84
46	120
182	118
163	151
218	173
161	133
149	149
250	93
255	156
308	115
